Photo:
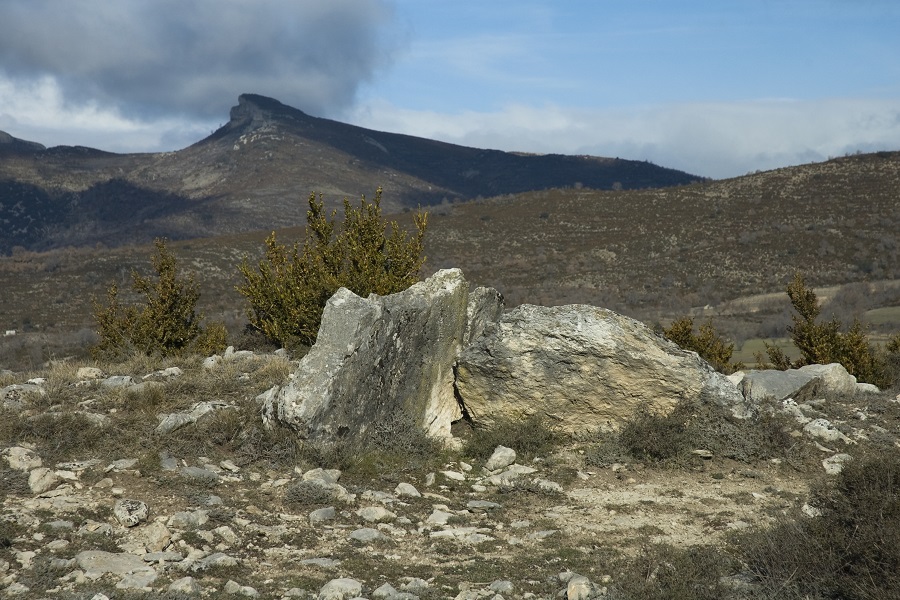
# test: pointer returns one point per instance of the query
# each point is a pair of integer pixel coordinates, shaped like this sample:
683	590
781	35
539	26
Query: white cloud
39	112
710	139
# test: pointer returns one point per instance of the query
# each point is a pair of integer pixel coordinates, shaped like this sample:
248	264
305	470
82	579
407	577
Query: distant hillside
255	173
652	254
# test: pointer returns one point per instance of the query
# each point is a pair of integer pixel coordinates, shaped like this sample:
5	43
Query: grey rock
233	587
117	381
185	585
439	517
130	512
89	373
378	357
579	587
123	464
22	459
199	474
406	489
414	585
583	367
42	479
188	520
169	422
482	505
321	515
501	458
824	430
162	557
15	397
833	465
137	581
502	586
366	535
97	562
802	385
325	476
218	559
343	588
376	514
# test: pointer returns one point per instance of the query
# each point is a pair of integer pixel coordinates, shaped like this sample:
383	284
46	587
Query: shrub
288	289
166	324
851	551
530	437
824	343
711	347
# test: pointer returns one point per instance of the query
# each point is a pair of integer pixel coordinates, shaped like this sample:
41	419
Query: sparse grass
851	551
530	438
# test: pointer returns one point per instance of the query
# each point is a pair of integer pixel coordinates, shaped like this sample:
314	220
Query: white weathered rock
378	357
233	587
366	535
96	563
376	514
407	489
802	385
321	515
89	373
169	422
42	479
501	458
824	430
185	585
585	368
22	459
117	381
343	588
15	396
130	512
833	465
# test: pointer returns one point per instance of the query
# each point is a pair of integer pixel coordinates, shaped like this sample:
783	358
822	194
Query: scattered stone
130	512
22	459
321	515
406	489
835	464
96	563
89	373
41	480
366	535
169	422
189	520
376	514
232	587
185	585
502	586
202	475
137	581
579	588
219	559
343	588
453	475
824	430
117	381
15	397
500	459
124	464
482	505
439	517
509	476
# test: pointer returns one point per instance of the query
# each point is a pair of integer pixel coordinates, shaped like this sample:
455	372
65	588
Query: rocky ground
158	481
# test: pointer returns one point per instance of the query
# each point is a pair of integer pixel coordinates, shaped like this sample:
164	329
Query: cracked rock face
586	368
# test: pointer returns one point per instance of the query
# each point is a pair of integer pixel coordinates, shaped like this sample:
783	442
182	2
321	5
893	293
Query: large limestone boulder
585	367
381	356
803	384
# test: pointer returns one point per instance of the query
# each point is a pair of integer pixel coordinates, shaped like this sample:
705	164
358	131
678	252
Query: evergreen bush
711	347
166	324
288	289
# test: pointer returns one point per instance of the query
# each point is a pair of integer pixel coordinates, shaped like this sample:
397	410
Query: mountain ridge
255	171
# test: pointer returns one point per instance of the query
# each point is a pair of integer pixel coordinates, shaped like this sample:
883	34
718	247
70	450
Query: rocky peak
257	111
9	143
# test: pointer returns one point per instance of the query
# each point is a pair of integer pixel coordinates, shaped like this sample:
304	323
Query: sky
718	88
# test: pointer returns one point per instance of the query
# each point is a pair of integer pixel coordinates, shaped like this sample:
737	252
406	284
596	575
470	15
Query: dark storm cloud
157	57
